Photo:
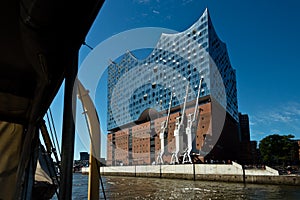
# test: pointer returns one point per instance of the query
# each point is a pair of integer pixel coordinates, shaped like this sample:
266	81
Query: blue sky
262	39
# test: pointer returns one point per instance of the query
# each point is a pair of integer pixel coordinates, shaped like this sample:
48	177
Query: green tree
278	149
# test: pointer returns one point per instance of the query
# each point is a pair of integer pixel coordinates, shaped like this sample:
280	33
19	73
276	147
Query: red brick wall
208	123
141	143
109	149
121	150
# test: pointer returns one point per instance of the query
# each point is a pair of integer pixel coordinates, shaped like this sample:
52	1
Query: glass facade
177	60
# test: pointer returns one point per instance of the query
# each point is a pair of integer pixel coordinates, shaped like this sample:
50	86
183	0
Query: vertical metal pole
194	172
244	175
160	172
68	135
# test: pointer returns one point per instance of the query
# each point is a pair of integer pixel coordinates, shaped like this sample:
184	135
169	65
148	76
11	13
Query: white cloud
275	131
260	132
155	11
251	123
294	108
257	119
141	1
278	117
284	114
257	134
184	2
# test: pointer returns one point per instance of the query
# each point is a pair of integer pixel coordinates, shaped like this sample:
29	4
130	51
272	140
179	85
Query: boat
40	41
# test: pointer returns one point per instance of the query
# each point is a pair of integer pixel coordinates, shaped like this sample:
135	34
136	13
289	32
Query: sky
262	39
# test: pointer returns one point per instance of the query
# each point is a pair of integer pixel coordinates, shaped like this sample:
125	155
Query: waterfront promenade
204	172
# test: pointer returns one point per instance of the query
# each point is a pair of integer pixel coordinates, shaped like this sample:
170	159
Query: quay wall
206	172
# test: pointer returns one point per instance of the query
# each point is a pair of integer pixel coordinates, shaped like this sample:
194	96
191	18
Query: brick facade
219	147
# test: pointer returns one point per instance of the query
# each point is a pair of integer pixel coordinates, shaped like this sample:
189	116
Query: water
150	188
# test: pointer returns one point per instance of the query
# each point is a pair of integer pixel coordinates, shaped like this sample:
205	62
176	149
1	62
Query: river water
150	188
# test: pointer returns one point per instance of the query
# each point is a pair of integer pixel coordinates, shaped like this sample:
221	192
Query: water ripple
169	189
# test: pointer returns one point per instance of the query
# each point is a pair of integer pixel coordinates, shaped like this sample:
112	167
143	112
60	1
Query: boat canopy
40	40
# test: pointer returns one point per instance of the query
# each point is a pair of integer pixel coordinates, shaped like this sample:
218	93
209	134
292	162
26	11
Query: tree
278	149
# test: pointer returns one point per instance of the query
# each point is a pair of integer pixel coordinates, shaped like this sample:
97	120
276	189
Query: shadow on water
151	188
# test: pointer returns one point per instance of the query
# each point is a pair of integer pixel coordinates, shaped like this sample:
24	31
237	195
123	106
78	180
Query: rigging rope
55	133
53	147
55	180
48	142
50	127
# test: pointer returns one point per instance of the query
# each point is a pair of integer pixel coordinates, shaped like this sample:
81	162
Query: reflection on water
149	188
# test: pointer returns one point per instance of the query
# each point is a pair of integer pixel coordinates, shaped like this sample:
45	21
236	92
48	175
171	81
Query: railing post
194	172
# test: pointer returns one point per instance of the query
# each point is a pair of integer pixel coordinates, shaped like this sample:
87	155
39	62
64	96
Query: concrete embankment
209	172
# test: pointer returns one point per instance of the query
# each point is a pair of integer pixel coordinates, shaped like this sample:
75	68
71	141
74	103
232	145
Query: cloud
278	117
185	2
251	123
275	131
294	108
155	11
286	113
142	1
259	132
256	119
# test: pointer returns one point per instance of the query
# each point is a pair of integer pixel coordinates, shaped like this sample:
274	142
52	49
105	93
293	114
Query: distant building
244	127
84	156
102	162
249	153
139	124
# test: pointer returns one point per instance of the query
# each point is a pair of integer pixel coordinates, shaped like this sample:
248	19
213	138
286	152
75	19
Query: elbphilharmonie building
177	105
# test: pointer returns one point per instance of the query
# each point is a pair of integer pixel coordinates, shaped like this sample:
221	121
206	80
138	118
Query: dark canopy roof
39	40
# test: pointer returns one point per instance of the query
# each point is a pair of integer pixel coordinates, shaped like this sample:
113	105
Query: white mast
191	121
178	131
163	130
